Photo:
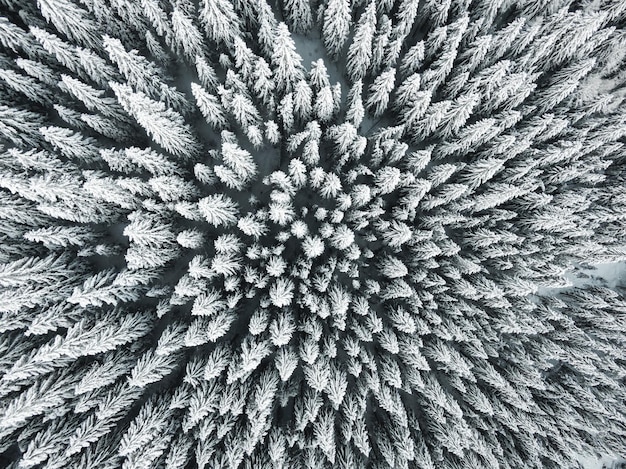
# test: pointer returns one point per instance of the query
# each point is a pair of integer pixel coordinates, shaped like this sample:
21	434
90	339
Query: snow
311	48
592	462
610	274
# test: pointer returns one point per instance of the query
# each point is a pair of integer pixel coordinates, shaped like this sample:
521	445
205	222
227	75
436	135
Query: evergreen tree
298	15
237	159
186	34
287	62
379	91
218	210
71	20
209	106
356	111
335	25
164	125
220	21
360	51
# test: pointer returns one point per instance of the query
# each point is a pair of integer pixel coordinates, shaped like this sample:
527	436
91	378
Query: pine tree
25	85
302	100
360	50
209	106
164	125
238	160
379	91
287	62
281	292
324	104
143	75
336	25
218	210
186	34
220	21
71	20
355	112
298	15
72	144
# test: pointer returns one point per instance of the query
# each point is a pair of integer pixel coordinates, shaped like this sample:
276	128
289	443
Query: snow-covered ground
608	274
311	48
591	462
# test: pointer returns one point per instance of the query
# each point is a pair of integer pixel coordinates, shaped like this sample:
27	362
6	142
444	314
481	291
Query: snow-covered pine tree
163	124
287	62
360	51
335	25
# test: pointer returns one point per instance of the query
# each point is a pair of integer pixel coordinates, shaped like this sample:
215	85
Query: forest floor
607	462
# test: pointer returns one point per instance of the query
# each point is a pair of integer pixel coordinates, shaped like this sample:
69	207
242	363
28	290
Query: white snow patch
311	48
611	274
606	462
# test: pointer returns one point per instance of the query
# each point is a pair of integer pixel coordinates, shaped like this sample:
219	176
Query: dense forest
311	233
